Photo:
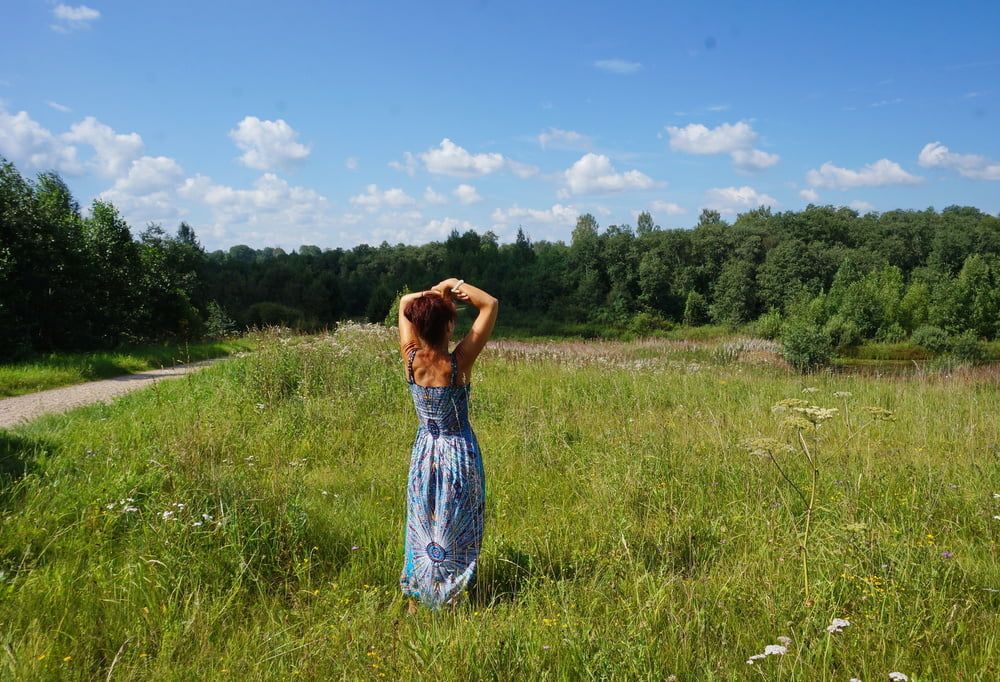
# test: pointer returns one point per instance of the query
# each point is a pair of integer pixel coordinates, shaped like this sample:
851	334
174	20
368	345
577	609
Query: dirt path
24	408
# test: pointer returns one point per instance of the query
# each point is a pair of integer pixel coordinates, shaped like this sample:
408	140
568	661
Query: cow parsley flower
898	677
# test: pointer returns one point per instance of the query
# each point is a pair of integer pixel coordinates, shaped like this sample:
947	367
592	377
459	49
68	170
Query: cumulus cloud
25	141
148	191
810	195
729	200
667	208
556	138
408	165
113	152
450	159
373	199
267	144
70	18
735	139
861	206
972	166
432	197
58	107
593	173
522	170
617	66
467	194
556	215
271	205
881	173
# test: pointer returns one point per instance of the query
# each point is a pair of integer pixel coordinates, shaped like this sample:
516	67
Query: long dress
446	494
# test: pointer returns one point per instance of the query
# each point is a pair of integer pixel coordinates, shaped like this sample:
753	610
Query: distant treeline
74	282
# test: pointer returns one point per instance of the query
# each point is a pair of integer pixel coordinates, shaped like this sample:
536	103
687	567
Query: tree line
69	281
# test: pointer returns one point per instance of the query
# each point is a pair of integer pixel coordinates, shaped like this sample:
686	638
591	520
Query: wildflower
842	394
880	414
797	423
837	624
67	659
208	517
769	650
354	548
810	389
898	677
788	403
784	640
130	508
946	554
167	515
854	679
996	517
762	447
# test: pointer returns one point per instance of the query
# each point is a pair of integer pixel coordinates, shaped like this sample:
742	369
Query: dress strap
409	365
454	368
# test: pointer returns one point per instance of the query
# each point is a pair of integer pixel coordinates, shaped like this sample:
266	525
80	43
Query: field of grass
645	511
63	369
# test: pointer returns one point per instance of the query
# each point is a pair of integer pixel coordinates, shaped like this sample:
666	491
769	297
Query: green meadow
656	510
51	370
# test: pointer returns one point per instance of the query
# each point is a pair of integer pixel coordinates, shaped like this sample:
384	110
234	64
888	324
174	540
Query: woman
446	492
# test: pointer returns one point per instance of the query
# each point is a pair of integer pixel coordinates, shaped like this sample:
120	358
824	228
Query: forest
70	281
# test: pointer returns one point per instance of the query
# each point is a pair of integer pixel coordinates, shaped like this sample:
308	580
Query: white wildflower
810	389
167	515
208	517
898	677
837	624
130	508
784	640
842	394
775	650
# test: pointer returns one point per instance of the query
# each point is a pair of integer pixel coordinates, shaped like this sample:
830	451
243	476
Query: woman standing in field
446	492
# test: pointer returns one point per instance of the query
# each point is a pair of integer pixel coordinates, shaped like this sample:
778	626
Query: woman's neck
440	348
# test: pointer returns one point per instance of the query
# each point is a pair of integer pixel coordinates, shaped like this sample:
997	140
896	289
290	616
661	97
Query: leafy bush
805	345
932	338
843	333
966	348
767	326
695	309
644	324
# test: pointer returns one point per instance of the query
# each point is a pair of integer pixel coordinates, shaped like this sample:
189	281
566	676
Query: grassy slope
63	369
629	533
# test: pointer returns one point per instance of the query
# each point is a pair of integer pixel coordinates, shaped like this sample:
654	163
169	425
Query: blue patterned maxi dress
446	494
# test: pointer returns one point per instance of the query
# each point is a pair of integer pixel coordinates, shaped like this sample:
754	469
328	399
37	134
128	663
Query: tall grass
247	522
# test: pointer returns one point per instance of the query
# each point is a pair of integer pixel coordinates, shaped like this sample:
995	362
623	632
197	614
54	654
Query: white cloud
113	152
59	107
753	159
810	195
373	199
432	197
272	209
972	166
882	172
699	139
618	66
267	144
148	192
735	139
467	194
729	200
861	206
556	138
73	18
408	165
593	173
24	141
522	170
667	207
351	163
556	215
450	159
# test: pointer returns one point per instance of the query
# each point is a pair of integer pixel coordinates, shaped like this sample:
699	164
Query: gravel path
24	408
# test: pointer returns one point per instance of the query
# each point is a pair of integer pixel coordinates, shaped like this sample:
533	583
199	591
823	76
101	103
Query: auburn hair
431	314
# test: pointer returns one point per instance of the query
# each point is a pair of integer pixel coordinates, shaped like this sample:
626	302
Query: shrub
932	338
695	309
805	345
767	326
966	348
842	333
218	325
644	324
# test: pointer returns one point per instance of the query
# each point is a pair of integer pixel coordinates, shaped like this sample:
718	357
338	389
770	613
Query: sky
336	123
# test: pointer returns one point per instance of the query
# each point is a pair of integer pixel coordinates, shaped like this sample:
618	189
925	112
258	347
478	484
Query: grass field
645	511
63	369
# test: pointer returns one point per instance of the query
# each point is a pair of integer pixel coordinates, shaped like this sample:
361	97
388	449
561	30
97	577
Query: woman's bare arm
468	348
407	332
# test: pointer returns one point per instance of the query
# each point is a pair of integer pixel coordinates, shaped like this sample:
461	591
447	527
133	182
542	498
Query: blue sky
280	124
